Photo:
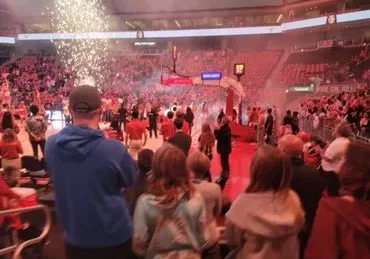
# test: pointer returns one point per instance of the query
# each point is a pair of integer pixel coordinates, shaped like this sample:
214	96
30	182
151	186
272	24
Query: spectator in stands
331	162
152	117
264	222
220	116
144	162
288	119
36	127
114	131
365	125
168	128
9	123
342	224
122	116
135	132
313	150
5	194
261	128
306	182
89	172
170	221
295	126
189	118
199	165
180	139
269	125
343	130
10	152
223	136
206	141
334	154
253	118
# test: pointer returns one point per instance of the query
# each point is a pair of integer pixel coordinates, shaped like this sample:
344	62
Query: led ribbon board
7	40
216	75
306	23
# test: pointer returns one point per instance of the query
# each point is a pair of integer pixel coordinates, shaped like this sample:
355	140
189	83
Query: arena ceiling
26	8
172	14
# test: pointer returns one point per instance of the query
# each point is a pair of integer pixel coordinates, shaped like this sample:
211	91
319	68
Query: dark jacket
122	113
309	186
223	136
152	116
341	229
189	118
269	124
182	141
288	120
220	116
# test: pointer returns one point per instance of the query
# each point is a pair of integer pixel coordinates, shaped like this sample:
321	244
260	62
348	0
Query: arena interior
185	129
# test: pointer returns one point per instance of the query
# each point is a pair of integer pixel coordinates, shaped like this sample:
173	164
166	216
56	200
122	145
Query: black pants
151	129
122	122
212	253
68	119
35	145
122	251
225	162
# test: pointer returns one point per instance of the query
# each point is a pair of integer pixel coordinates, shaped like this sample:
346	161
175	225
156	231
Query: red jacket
341	229
5	194
113	134
168	129
10	150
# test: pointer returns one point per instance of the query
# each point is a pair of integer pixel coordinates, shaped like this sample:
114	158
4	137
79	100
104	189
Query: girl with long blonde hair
206	141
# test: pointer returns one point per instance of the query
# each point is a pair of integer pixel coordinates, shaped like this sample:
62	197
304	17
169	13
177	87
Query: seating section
301	73
259	65
306	67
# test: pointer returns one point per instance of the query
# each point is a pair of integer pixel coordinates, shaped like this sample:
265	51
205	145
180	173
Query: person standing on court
269	125
223	136
168	128
89	171
122	111
189	118
152	116
135	132
36	127
180	139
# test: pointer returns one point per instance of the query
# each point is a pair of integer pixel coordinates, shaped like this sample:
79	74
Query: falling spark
87	57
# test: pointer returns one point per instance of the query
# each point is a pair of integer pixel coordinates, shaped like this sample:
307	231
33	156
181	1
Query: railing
17	248
325	130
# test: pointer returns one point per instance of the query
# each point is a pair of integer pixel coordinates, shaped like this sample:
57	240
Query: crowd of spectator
288	205
299	191
329	111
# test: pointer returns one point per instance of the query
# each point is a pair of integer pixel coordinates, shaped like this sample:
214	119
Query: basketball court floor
239	159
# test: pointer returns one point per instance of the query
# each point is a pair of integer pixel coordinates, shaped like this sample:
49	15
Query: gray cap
84	99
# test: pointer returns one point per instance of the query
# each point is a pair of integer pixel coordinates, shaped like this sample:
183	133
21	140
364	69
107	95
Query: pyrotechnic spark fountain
86	57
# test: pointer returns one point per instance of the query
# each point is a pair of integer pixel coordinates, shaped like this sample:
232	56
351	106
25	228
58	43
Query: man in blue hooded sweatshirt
89	172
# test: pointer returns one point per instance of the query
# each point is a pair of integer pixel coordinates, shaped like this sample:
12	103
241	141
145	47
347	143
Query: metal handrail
17	248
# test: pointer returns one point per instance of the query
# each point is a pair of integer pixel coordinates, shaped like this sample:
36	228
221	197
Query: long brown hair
207	137
354	176
270	170
170	178
9	135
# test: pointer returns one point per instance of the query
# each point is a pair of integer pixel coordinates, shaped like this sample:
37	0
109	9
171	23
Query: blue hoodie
88	172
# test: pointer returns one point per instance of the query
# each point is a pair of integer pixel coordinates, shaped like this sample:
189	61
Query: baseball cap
84	99
334	155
